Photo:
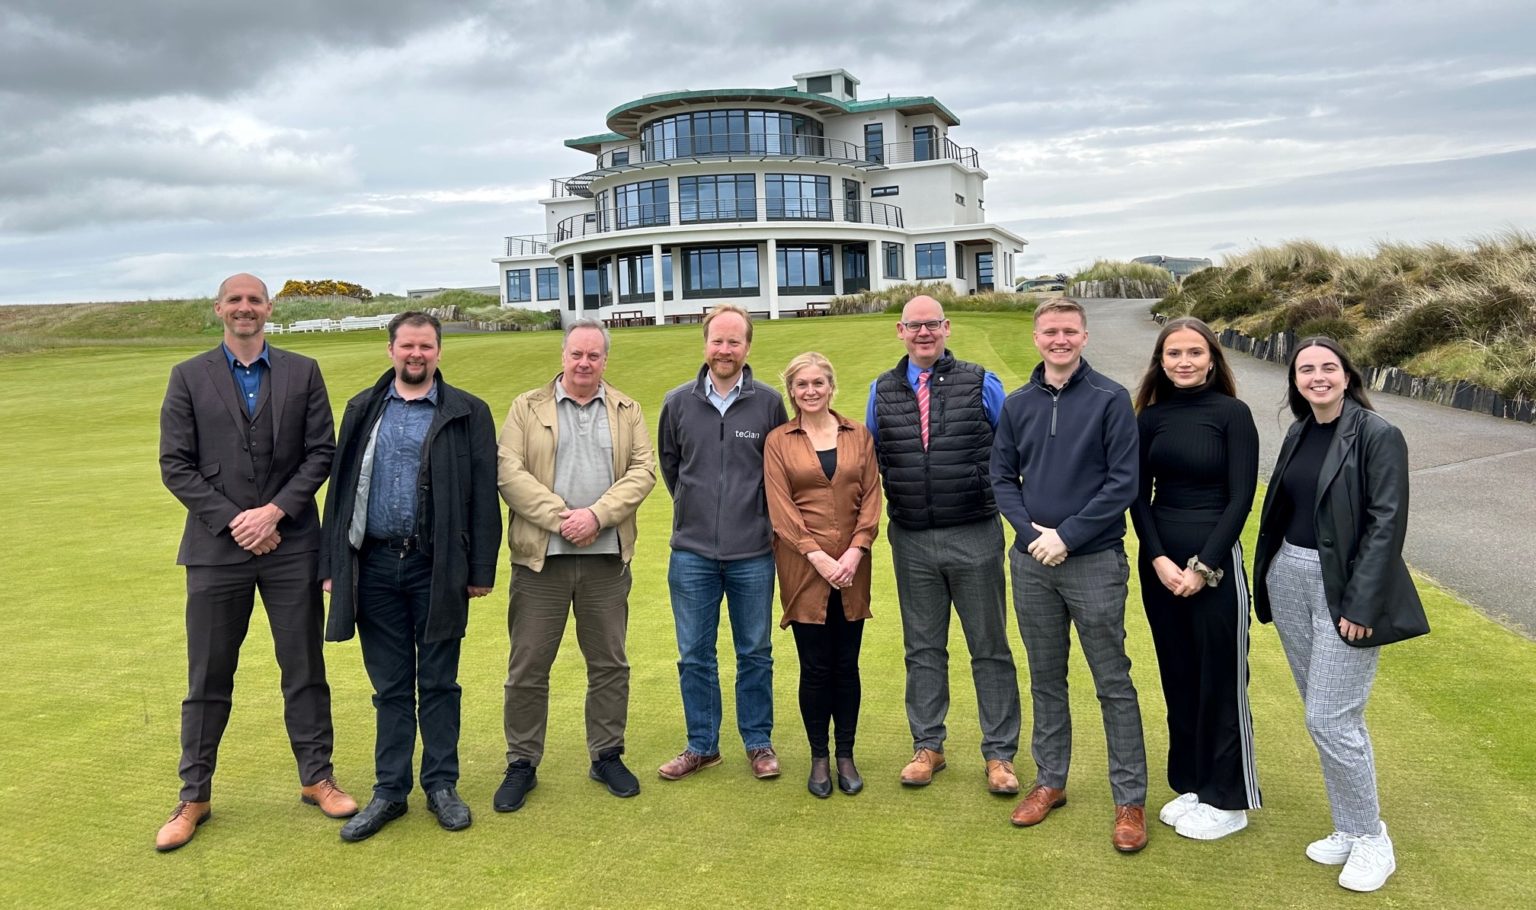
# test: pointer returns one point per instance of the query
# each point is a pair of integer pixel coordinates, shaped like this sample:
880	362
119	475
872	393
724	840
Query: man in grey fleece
711	446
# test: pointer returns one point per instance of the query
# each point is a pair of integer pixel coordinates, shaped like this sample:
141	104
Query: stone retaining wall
1123	288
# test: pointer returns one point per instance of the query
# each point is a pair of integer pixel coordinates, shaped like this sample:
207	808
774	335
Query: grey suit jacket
206	460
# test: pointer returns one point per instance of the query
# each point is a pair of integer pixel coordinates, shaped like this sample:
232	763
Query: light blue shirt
249	376
723	403
397	454
992	396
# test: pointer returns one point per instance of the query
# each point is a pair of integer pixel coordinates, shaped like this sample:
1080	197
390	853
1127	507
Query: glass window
723	197
518	288
930	260
885	191
595	291
874	142
642	204
984	272
819	84
637	280
792	196
730	132
923	143
895	259
959	199
805	269
959	261
549	284
619	157
724	271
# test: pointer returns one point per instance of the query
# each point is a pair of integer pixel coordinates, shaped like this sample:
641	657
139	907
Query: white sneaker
1206	822
1175	808
1332	850
1370	862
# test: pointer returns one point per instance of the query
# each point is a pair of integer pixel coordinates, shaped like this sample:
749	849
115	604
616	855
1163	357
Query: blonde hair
728	308
804	362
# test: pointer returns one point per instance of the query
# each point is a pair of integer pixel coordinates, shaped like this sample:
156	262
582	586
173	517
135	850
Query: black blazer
1361	519
205	457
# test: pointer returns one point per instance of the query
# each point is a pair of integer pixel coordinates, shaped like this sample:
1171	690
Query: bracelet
1212	576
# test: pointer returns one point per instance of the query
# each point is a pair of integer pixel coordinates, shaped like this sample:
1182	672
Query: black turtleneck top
1298	488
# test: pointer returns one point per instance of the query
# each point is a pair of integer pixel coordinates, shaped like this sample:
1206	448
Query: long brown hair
1300	407
1155	384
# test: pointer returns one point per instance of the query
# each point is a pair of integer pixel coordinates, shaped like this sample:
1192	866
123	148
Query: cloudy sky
148	148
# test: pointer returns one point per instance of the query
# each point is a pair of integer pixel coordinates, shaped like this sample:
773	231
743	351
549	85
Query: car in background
1179	267
1041	284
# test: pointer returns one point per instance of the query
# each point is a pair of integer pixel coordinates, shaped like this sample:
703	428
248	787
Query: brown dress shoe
1130	829
687	763
765	762
1037	804
331	799
1000	777
182	824
920	770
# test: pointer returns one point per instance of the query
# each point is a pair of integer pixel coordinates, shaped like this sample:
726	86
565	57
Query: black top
1199	452
828	458
1299	485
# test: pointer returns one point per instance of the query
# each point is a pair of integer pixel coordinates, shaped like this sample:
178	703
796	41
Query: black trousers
829	678
394	594
219	604
1202	657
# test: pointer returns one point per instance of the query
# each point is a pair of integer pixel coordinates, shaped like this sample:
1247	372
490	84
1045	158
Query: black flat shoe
373	818
820	781
848	779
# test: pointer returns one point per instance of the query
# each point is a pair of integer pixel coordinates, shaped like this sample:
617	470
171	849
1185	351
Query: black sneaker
609	770
513	792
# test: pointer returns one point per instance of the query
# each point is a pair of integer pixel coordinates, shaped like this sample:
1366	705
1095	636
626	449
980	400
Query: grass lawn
93	673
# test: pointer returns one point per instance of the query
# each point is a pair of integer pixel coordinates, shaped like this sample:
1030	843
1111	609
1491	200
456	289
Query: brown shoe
331	799
687	763
1000	777
1037	804
765	762
1130	829
920	770
182	824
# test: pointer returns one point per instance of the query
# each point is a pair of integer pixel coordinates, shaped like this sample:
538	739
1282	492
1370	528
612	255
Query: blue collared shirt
397	454
723	403
249	376
992	397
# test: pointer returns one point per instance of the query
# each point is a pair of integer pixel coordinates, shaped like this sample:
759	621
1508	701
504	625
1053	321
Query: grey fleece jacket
713	467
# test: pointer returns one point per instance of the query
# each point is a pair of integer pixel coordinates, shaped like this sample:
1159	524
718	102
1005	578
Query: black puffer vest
946	484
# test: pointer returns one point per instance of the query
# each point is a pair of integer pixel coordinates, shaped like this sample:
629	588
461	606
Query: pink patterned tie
922	403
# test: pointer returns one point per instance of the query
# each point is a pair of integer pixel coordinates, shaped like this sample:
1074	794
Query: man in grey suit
245	441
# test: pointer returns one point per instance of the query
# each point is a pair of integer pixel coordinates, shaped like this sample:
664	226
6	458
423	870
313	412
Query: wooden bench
814	309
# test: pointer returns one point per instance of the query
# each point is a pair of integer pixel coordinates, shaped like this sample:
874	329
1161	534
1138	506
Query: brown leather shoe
331	799
765	762
687	763
182	824
1037	804
920	770
1130	829
1000	777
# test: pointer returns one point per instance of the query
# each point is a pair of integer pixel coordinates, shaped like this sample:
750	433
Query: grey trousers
1087	591
961	565
1335	681
596	590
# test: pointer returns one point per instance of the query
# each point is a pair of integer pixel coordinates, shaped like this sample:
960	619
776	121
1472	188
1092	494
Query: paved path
1473	516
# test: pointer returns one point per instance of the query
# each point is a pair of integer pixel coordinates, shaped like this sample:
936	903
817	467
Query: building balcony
710	213
759	147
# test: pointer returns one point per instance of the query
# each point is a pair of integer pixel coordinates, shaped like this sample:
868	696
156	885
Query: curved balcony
726	211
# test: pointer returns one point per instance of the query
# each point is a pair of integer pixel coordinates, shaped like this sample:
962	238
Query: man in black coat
412	529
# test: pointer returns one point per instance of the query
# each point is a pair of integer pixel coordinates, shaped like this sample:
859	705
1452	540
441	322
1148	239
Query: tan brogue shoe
182	824
331	799
1000	777
1037	804
765	762
920	770
1130	829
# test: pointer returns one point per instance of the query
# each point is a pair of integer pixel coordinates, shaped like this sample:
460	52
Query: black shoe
365	824
513	792
451	812
820	781
609	770
848	779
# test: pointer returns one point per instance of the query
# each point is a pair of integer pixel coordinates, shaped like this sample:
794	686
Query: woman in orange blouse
823	487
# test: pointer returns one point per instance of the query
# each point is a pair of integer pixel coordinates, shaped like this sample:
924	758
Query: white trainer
1332	850
1206	822
1371	862
1175	808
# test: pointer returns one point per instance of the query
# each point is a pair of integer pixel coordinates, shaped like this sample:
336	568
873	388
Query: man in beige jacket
574	463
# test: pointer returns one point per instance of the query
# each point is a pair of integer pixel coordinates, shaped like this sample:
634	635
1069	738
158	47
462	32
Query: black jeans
394	591
829	677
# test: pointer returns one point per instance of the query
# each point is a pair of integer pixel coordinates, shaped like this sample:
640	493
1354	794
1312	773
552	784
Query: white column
578	286
656	283
837	268
770	273
909	257
999	280
613	276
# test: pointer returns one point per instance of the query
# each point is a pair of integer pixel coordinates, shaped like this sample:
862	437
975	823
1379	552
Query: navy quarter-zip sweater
1067	459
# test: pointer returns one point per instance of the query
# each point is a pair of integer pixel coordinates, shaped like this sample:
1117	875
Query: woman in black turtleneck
1199	468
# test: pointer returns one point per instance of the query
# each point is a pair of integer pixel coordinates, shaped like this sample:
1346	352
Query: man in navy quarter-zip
710	443
1064	465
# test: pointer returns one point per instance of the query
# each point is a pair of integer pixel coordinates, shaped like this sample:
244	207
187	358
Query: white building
775	199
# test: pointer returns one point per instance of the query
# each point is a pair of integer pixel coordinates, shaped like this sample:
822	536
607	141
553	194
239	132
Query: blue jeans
697	584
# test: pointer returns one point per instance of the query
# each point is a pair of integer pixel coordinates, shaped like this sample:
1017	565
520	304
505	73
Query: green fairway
94	670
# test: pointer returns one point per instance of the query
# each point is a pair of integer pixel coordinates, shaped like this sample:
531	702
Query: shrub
323	287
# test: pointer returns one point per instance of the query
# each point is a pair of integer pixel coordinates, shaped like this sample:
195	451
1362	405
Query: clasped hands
1181	582
579	526
1047	549
256	529
837	572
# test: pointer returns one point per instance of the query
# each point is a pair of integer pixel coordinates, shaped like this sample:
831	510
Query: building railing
529	244
685	214
927	150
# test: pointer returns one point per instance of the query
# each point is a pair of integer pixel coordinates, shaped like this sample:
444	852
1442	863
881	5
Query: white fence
344	324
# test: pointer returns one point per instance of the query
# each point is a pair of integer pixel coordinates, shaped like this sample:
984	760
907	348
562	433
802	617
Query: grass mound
1113	270
892	299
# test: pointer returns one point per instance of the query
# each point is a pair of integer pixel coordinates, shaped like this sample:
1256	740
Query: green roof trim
786	94
885	104
597	139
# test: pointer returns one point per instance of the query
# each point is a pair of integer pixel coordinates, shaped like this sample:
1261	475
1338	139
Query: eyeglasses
932	325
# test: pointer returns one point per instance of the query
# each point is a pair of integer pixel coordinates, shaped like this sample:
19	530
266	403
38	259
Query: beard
413	374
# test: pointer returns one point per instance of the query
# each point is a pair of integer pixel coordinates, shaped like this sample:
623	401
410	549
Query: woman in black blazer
1329	571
